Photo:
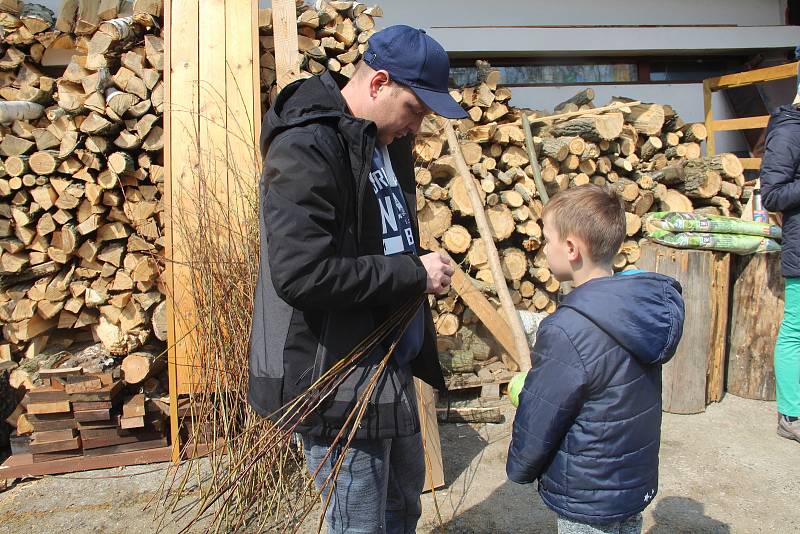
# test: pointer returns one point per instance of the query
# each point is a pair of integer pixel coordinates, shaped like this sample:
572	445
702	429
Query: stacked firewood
331	36
82	176
644	152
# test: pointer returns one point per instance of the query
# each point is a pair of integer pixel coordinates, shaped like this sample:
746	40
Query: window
545	74
693	70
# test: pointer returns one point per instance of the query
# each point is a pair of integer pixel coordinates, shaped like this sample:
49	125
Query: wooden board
696	371
55	446
127	447
284	27
92	415
117	439
431	443
106	393
757	303
47	422
54	407
221	76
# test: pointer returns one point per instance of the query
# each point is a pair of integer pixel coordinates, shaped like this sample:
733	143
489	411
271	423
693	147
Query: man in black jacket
338	255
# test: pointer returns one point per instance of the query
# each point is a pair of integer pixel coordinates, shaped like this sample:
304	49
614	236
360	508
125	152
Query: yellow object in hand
515	388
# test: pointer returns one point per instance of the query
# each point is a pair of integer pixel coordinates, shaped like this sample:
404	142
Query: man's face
557	251
397	112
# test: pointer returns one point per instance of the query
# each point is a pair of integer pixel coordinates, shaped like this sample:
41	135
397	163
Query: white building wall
427	13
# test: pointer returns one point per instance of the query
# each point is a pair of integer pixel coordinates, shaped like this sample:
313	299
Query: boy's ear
573	249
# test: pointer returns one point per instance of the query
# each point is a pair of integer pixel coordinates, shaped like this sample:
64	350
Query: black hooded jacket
780	181
324	283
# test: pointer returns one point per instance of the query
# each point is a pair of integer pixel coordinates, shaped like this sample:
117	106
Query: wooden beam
739	79
745	123
287	49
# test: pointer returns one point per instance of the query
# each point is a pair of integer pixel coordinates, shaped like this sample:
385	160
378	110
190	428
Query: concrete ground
722	471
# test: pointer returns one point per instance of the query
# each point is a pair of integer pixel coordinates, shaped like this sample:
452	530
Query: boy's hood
643	312
786	114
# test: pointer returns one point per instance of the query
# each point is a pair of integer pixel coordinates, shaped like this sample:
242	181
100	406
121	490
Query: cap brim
440	103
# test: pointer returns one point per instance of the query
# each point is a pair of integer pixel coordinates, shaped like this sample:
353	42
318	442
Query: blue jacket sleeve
550	400
780	190
303	208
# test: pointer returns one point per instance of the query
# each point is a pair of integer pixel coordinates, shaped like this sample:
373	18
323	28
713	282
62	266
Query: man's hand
439	272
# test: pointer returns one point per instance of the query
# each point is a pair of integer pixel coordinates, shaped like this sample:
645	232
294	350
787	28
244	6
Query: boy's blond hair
592	213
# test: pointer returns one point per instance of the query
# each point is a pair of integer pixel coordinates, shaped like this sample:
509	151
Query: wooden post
694	375
522	354
757	308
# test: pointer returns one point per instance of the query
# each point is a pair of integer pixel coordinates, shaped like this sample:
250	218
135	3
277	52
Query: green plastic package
712	224
739	244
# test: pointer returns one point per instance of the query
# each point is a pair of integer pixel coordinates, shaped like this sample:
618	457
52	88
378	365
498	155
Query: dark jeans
378	487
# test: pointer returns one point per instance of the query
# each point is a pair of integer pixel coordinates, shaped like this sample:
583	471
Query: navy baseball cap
414	59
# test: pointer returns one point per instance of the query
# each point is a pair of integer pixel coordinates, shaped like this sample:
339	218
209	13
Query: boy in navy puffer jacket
588	426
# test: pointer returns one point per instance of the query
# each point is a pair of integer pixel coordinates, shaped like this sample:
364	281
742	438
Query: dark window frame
644	66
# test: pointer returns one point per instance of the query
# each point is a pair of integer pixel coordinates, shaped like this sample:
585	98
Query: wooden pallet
489	388
21	465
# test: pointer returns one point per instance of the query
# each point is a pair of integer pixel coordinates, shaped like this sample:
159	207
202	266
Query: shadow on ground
681	514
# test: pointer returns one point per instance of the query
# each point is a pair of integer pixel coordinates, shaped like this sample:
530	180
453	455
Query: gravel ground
722	471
